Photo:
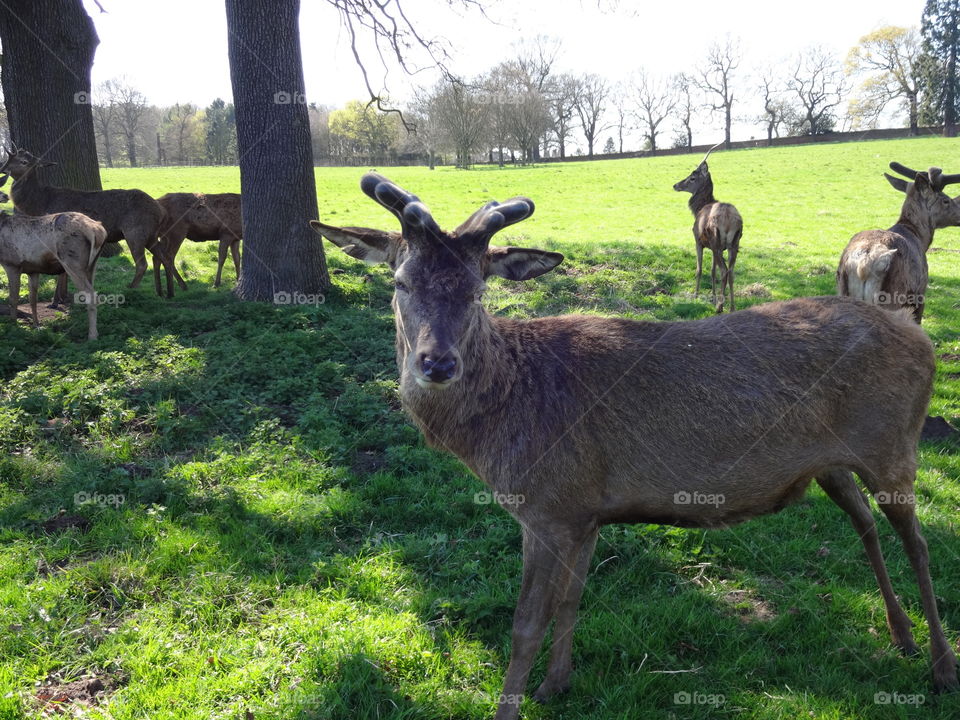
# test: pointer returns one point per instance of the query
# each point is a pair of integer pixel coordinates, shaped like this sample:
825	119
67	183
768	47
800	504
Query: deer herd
581	421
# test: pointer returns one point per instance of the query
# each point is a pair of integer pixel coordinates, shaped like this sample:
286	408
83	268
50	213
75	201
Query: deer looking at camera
889	267
717	226
576	421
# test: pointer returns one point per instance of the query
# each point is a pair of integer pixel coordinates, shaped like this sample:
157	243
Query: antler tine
494	216
710	151
389	194
904	170
949	179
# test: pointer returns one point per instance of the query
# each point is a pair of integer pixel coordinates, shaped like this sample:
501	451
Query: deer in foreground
125	214
200	217
717	226
51	244
889	267
576	421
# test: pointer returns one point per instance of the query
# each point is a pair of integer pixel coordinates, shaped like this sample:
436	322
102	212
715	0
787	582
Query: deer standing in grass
717	226
889	267
51	244
577	421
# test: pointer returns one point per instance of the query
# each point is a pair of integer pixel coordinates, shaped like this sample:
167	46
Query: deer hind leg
561	652
235	252
138	252
732	254
897	503
60	296
842	489
718	261
33	283
548	561
222	251
85	286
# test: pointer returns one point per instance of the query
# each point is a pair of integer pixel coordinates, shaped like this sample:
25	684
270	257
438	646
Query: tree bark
950	98
48	50
282	256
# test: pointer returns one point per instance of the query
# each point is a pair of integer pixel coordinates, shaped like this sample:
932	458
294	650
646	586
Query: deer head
439	277
695	180
19	162
925	194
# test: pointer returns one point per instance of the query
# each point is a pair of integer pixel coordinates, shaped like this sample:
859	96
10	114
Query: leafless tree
684	88
621	102
180	122
655	100
460	111
591	103
105	118
715	79
496	87
820	86
776	109
561	95
131	106
535	60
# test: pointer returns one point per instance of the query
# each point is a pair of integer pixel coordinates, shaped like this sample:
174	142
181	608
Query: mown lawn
270	535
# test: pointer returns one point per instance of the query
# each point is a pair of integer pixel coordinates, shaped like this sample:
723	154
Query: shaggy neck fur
702	197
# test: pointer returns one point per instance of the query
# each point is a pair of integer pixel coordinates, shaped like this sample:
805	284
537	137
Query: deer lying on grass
889	267
716	226
578	421
129	214
200	217
51	244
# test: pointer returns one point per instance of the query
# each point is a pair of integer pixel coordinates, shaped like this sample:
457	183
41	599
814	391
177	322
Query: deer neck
702	197
918	222
28	194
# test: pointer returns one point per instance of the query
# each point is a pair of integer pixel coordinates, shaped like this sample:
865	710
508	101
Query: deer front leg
548	560
13	283
696	292
724	274
222	250
713	277
561	652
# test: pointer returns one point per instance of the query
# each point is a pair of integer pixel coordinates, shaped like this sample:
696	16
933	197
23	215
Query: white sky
176	50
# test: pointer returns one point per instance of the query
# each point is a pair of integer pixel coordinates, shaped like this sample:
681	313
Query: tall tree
776	109
180	131
620	101
715	78
888	60
460	112
591	103
561	97
655	101
281	251
684	87
820	86
105	119
48	50
131	106
221	132
940	27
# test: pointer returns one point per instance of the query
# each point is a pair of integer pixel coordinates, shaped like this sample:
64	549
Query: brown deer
574	422
889	267
126	214
717	226
199	217
51	244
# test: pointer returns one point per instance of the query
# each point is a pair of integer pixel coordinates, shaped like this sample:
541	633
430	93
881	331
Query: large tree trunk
48	49
950	98
282	256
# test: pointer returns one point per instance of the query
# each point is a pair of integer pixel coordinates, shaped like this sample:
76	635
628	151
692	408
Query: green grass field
272	536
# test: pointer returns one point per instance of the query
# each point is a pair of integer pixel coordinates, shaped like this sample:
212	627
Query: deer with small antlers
717	226
575	422
889	267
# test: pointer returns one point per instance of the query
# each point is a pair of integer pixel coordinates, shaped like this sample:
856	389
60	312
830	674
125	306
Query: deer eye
400	285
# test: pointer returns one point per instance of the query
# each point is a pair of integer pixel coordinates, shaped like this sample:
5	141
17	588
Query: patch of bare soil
57	697
43	312
369	461
748	607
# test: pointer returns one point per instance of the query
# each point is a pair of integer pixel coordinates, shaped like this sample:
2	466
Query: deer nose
438	369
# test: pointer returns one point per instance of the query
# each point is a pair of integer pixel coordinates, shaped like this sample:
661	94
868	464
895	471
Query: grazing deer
125	214
716	226
199	217
889	267
577	421
51	244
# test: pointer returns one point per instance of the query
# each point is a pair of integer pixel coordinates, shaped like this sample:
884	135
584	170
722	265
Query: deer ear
371	246
898	183
515	263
